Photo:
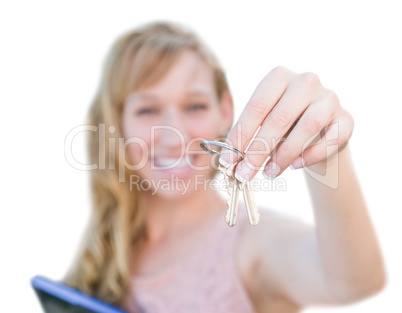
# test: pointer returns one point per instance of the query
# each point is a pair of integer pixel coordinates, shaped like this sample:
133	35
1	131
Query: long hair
136	60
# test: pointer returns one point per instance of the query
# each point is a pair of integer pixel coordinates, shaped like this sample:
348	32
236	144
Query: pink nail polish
271	170
298	163
227	158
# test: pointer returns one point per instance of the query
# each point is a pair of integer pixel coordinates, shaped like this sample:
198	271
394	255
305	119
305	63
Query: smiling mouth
173	163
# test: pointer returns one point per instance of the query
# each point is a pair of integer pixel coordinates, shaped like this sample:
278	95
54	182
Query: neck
167	217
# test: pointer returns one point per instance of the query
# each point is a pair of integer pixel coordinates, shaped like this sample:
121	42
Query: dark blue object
59	298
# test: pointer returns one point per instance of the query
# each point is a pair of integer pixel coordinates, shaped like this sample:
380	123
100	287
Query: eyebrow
199	93
135	98
151	96
142	96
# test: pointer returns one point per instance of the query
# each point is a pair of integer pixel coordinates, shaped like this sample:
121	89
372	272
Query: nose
171	131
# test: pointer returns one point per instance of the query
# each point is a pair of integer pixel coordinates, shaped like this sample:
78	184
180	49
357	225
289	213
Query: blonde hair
136	60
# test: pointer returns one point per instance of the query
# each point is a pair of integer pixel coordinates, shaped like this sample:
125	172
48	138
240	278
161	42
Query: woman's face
165	124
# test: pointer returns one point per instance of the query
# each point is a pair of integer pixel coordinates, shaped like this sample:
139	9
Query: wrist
327	171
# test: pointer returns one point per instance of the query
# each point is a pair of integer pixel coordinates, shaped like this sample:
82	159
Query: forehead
189	75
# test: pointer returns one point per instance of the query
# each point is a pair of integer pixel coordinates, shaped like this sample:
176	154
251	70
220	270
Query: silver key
252	209
234	186
233	191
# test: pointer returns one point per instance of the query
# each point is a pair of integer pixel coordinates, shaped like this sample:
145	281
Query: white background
51	56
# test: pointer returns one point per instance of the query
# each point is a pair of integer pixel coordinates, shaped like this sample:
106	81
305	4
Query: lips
173	162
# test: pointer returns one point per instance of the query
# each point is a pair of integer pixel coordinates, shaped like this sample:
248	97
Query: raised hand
302	123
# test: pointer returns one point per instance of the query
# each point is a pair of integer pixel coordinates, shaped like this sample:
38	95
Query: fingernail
244	172
227	158
271	170
298	163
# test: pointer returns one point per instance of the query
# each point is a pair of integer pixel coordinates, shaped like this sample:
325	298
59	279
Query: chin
171	195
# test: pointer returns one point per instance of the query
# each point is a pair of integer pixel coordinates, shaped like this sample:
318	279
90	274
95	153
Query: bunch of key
234	186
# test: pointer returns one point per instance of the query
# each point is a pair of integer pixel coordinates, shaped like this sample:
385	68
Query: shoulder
273	230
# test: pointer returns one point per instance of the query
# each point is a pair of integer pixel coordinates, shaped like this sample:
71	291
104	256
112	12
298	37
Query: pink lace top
206	280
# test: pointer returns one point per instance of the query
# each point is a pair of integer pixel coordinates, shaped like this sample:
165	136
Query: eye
146	111
197	107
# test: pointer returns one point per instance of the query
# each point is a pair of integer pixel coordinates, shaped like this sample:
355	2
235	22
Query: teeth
171	163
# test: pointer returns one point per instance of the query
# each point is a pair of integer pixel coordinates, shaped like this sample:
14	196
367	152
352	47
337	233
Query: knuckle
310	79
280	119
313	124
339	136
330	99
278	70
342	137
350	119
282	74
257	105
332	96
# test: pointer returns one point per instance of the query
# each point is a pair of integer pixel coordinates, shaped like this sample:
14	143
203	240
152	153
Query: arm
336	262
339	260
347	243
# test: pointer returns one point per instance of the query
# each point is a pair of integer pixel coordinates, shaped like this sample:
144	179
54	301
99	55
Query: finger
293	103
257	108
314	119
336	135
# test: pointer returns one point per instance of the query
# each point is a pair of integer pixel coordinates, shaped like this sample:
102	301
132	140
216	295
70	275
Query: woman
157	241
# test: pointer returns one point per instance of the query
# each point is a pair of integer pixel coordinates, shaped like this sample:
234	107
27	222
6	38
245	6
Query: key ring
219	144
233	187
